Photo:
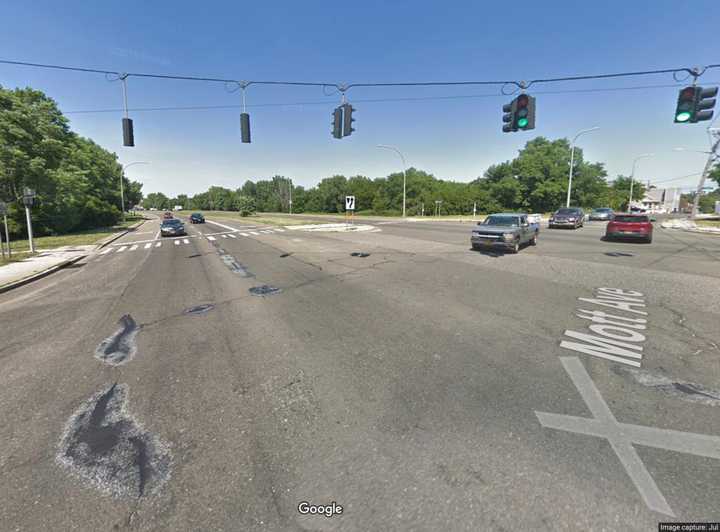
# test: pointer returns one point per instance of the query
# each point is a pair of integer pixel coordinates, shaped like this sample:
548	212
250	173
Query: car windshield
623	218
171	222
567	211
509	221
603	210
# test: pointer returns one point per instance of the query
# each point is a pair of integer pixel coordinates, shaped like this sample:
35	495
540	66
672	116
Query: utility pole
712	155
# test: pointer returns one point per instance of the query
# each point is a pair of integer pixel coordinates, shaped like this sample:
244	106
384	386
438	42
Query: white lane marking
121	249
211	238
221	225
245	234
186	241
622	436
254	233
147	246
103	252
224	236
176	242
133	247
232	235
157	235
280	230
158	244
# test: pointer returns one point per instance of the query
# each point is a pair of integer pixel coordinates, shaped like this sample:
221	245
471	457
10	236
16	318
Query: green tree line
76	181
535	181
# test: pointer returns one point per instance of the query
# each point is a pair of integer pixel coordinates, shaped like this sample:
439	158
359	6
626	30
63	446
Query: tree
620	192
156	200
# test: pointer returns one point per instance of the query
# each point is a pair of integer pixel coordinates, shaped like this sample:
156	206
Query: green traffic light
682	116
524	122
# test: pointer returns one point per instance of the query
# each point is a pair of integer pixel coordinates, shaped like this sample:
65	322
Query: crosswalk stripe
232	236
121	249
186	241
176	242
244	234
147	246
280	230
158	244
108	250
254	233
211	238
224	236
133	248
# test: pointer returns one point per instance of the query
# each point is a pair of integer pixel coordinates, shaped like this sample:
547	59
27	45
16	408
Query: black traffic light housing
695	104
519	114
128	134
337	122
245	128
347	120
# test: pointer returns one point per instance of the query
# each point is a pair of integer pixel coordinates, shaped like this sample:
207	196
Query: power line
373	100
690	71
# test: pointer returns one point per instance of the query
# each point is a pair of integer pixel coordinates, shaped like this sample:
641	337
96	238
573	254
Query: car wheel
515	248
648	240
533	242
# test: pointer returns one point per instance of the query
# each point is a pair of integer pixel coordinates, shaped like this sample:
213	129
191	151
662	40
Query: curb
40	275
114	237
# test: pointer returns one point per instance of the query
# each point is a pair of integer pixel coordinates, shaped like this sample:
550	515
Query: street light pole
632	176
572	161
404	174
122	191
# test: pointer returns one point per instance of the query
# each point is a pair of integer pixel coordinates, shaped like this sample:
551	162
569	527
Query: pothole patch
618	254
687	391
359	254
264	290
199	309
103	444
120	347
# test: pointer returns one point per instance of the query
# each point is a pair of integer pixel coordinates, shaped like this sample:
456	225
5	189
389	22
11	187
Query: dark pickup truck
505	231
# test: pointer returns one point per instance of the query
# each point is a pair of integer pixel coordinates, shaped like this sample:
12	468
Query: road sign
349	203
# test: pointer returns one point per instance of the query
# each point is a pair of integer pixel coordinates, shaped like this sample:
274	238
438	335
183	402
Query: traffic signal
128	135
519	114
347	120
337	122
695	104
245	128
524	112
509	116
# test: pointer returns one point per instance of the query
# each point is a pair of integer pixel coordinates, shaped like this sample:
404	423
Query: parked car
168	215
505	231
602	213
172	227
635	226
197	218
567	217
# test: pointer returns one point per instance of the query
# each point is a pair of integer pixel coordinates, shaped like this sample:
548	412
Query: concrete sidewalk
39	265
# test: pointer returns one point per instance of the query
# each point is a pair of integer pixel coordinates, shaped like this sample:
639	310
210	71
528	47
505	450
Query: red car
625	225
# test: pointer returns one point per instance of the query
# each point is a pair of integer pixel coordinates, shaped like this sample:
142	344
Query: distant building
659	200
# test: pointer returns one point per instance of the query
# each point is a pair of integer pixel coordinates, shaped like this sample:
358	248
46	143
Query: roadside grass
708	223
80	238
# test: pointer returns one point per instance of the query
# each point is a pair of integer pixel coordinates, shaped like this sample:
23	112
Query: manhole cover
199	309
359	254
264	290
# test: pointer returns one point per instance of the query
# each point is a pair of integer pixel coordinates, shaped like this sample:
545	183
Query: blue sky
363	42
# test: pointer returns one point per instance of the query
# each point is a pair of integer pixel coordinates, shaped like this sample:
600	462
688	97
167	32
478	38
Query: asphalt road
422	387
